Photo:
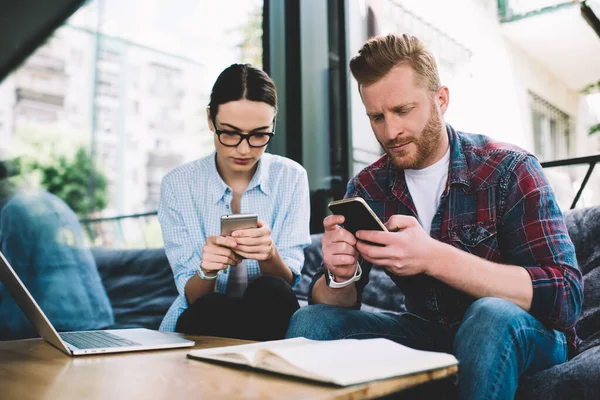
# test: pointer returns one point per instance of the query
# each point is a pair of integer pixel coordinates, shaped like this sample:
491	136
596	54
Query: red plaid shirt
497	205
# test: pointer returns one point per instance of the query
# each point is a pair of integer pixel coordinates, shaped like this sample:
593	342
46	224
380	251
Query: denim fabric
41	238
497	205
495	343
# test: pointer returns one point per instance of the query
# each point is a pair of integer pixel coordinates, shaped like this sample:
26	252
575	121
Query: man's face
407	118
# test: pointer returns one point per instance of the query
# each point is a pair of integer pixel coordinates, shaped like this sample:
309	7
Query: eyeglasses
234	138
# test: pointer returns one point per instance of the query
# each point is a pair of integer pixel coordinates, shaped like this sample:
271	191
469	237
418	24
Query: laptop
84	342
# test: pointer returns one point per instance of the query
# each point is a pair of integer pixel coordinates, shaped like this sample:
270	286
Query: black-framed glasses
234	138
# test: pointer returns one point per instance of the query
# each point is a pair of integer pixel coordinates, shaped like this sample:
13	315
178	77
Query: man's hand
254	244
339	248
217	254
406	249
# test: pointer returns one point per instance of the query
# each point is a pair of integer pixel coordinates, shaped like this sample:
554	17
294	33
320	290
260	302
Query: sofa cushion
584	230
139	284
42	239
313	257
577	378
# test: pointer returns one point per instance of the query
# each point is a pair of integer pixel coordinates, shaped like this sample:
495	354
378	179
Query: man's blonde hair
380	54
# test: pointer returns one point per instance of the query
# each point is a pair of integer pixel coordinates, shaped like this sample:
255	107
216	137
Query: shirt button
227	207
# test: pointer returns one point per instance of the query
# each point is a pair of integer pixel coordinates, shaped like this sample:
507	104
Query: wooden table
33	369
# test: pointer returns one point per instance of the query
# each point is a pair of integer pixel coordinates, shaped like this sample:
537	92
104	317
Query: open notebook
340	362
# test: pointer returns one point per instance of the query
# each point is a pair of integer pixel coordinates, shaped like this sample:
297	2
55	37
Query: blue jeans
496	342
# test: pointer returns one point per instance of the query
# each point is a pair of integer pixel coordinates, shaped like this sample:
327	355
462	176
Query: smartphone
358	215
235	222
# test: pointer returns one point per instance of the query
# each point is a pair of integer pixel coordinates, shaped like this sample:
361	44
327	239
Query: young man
476	241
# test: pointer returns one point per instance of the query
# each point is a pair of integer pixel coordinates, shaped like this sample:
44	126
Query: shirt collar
459	170
216	182
261	177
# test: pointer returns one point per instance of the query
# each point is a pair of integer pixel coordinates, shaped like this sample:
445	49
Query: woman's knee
269	283
268	291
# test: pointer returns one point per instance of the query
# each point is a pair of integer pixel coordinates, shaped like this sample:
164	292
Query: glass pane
115	99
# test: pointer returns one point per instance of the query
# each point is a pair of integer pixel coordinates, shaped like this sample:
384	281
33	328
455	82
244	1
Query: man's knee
492	317
494	311
317	322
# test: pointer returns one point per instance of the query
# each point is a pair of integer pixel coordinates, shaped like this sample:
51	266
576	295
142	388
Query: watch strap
330	278
202	275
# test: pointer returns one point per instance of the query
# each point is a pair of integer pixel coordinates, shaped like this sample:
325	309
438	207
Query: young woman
239	285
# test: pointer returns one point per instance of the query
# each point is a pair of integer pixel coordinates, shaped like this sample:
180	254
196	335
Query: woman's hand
217	254
254	244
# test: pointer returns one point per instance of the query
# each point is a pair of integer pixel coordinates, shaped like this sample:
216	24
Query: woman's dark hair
242	81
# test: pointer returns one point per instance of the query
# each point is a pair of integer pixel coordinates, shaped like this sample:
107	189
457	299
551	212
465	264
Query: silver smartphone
235	222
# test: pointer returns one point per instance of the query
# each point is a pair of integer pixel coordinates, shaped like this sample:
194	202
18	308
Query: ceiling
25	24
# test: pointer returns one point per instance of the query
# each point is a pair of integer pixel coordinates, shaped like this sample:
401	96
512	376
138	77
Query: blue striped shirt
194	197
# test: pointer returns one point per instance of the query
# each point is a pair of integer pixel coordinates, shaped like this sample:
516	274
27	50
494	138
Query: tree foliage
71	178
252	32
592	88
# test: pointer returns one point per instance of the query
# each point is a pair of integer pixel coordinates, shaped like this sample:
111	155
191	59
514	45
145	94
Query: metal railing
512	10
141	218
589	160
98	234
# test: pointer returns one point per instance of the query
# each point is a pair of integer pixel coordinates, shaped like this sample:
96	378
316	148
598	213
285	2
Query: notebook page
244	353
351	361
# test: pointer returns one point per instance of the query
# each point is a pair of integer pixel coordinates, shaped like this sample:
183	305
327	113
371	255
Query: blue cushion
41	238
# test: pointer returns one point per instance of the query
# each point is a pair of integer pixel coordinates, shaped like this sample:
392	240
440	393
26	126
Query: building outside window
114	88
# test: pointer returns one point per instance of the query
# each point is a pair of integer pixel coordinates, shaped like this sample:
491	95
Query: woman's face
245	117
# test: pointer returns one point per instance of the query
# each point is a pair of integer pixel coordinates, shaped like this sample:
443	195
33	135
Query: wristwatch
330	278
202	275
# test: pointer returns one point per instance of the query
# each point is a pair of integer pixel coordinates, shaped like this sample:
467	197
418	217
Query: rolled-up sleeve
182	253
294	234
533	235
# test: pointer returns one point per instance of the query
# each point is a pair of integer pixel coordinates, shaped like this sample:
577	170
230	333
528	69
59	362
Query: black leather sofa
140	286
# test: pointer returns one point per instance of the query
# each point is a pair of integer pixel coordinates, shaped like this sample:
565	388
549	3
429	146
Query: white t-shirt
426	187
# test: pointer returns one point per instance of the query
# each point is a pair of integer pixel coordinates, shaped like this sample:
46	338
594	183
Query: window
552	130
116	74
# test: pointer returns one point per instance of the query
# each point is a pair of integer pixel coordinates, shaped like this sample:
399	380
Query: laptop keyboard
95	340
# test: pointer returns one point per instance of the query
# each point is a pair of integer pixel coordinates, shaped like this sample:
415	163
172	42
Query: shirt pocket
478	238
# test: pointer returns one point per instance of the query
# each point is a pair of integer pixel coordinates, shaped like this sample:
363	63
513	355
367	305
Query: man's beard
426	145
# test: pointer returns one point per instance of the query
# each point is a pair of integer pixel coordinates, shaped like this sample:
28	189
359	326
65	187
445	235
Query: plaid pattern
192	199
497	205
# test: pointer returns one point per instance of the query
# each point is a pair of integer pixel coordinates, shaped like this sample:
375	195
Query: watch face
328	276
